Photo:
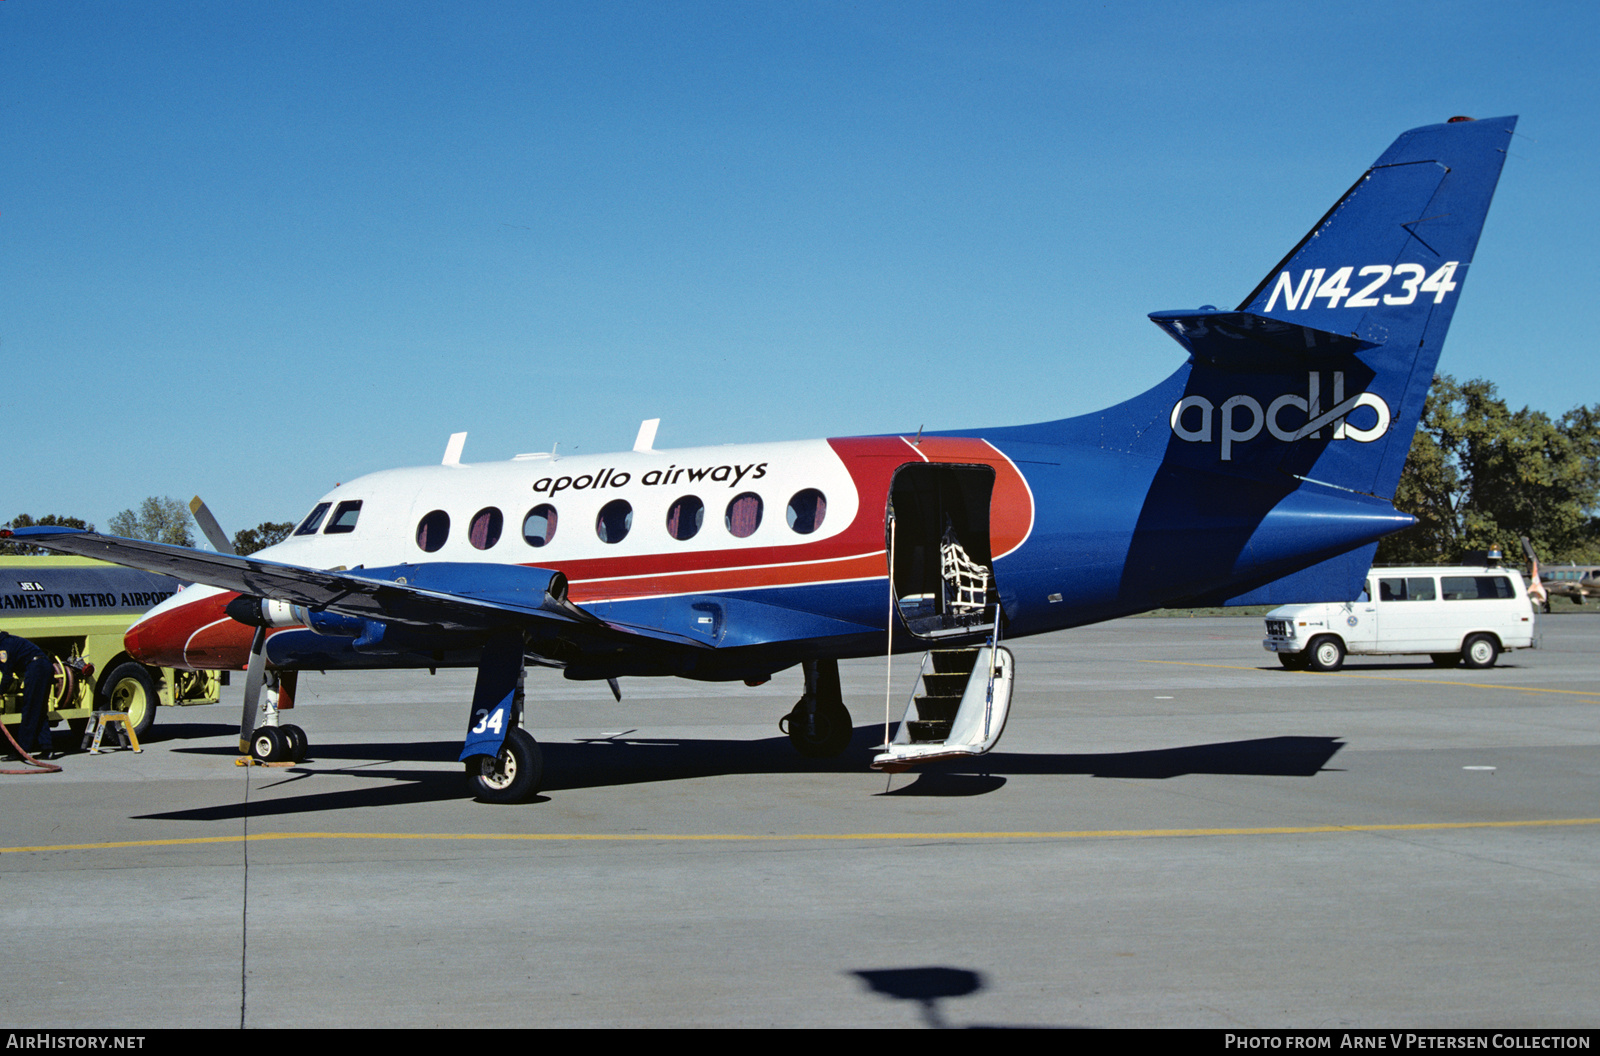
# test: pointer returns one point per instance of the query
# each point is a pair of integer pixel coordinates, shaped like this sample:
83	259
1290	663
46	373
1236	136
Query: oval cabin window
685	517
539	526
616	518
433	530
744	515
806	511
484	531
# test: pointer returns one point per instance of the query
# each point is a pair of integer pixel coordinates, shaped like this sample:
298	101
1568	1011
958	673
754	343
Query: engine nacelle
261	612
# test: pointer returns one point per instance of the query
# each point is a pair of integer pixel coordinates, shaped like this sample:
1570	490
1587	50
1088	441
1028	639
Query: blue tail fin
1321	373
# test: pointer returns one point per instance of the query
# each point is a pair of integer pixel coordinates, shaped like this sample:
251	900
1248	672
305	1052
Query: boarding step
943	683
958	707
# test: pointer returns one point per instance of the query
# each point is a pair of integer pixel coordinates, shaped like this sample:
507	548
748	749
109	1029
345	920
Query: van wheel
1445	659
1480	651
1325	654
1293	661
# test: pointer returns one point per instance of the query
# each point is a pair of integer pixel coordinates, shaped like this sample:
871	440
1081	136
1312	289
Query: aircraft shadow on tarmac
620	760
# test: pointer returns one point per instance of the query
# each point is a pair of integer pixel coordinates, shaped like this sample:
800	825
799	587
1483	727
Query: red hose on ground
42	768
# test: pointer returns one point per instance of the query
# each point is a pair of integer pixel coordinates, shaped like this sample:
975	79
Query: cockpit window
313	519
344	518
433	530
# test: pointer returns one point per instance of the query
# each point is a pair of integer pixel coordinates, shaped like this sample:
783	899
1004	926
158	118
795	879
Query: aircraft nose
149	642
190	631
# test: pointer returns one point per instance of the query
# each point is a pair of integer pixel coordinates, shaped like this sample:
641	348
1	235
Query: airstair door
958	708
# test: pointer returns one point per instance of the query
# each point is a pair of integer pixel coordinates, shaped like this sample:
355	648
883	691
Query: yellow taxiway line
573	837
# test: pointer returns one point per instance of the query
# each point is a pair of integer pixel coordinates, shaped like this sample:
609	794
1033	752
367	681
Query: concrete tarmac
1173	832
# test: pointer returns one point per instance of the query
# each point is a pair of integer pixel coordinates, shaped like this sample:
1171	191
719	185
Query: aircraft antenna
452	450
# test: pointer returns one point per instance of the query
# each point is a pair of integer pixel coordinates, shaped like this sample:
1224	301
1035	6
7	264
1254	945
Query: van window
1476	588
1410	588
344	518
313	520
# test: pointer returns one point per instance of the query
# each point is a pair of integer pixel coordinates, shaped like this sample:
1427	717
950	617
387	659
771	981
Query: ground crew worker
20	658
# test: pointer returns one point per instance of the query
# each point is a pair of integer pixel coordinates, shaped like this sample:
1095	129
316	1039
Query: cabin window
806	511
539	526
313	520
484	531
433	530
685	517
744	515
616	518
344	518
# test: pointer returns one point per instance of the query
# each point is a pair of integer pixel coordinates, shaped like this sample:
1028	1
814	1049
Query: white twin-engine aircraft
1261	471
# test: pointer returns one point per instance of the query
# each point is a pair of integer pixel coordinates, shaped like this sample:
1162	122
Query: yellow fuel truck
77	610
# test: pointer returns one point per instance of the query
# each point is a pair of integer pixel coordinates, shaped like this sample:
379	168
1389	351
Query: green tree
1480	475
23	520
263	535
160	520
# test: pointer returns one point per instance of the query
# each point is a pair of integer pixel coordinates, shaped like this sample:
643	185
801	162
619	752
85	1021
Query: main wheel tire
1445	659
269	745
1325	654
1480	651
824	737
130	688
1294	661
295	739
513	775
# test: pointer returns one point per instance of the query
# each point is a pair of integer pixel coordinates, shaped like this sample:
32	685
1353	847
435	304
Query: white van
1455	615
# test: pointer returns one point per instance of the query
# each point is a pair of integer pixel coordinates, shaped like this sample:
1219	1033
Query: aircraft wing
461	596
445	595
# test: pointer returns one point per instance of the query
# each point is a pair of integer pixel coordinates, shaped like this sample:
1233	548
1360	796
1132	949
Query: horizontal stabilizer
1251	343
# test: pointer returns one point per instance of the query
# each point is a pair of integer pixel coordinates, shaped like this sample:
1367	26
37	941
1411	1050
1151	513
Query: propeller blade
255	675
209	526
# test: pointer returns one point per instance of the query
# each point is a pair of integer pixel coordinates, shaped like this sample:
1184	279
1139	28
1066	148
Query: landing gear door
941	566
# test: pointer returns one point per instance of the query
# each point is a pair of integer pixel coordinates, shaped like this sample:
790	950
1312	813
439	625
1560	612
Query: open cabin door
942	569
942	572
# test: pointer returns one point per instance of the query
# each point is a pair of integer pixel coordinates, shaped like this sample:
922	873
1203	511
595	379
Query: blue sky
252	250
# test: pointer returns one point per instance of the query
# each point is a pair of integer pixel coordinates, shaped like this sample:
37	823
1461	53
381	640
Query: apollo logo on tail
1230	431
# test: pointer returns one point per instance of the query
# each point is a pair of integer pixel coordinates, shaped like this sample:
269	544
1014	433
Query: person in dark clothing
20	658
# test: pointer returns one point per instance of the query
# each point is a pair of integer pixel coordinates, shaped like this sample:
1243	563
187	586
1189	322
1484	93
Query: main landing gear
502	760
819	724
